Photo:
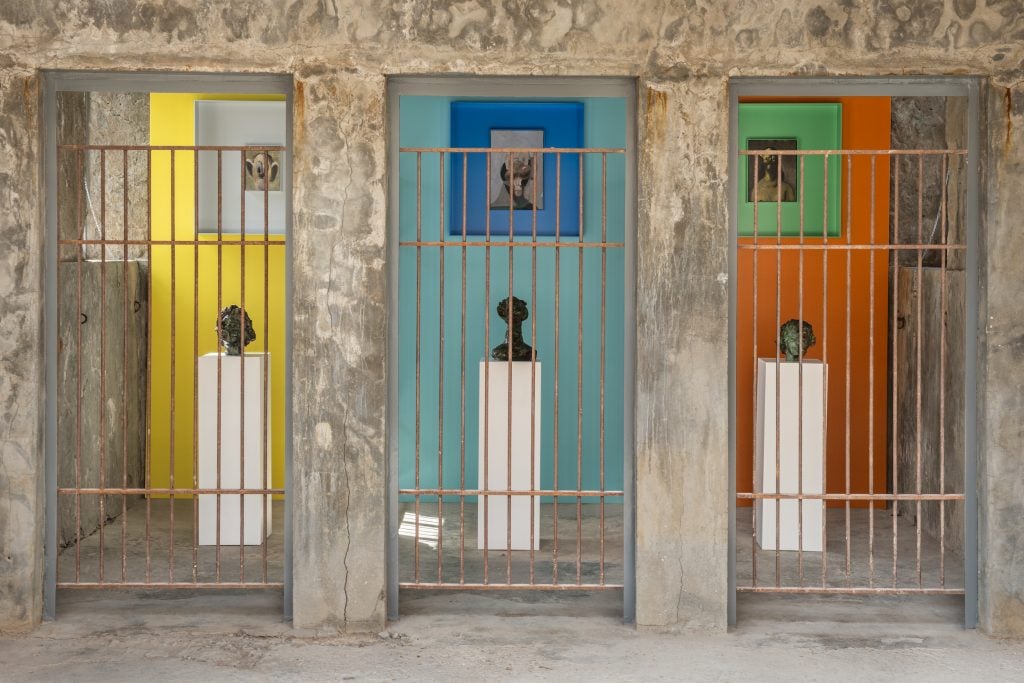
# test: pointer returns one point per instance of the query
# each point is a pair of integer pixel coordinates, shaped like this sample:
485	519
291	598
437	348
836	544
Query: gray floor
578	550
859	563
149	555
190	635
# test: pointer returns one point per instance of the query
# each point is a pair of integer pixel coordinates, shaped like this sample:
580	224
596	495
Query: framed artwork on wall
781	184
509	188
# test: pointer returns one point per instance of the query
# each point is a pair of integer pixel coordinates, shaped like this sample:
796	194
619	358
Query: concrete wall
683	53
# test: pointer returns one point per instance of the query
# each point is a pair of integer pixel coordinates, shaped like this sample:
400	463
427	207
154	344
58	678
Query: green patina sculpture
792	342
229	330
514	316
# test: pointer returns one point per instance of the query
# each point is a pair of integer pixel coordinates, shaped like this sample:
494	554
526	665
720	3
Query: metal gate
505	478
853	454
162	420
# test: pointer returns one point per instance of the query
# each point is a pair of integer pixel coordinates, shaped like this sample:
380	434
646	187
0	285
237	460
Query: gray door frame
534	88
924	86
164	82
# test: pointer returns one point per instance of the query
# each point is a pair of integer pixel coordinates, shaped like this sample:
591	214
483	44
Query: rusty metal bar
419	314
80	228
462	389
755	259
800	391
824	361
871	379
533	371
894	327
102	445
124	364
487	370
500	492
942	377
149	368
558	300
242	257
604	316
579	389
440	369
847	351
853	496
220	356
918	344
195	370
508	379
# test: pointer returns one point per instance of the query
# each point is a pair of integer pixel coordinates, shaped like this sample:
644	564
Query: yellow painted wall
176	289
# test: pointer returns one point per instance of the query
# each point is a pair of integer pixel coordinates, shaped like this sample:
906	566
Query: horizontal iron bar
177	584
142	491
834	246
524	243
851	496
504	492
177	148
513	586
852	152
507	150
850	591
213	242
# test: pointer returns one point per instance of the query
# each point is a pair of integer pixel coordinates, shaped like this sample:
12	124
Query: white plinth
231	450
796	455
494	427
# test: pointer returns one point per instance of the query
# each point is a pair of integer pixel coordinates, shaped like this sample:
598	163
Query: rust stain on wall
656	113
299	115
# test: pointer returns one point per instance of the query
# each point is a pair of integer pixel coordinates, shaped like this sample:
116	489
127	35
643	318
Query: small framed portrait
772	177
517	176
262	168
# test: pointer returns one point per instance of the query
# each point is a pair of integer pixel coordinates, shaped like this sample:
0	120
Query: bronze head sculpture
513	311
795	337
230	332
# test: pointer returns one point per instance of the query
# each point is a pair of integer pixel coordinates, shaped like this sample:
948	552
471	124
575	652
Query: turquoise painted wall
424	122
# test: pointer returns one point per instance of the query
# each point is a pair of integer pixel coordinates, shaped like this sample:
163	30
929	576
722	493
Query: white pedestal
796	455
496	424
256	457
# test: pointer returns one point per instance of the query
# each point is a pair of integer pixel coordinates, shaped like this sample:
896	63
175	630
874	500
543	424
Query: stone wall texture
340	52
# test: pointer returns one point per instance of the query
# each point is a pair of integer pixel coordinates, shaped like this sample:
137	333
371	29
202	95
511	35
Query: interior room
857	436
171	210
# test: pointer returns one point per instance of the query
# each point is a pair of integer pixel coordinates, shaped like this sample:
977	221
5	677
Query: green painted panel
803	179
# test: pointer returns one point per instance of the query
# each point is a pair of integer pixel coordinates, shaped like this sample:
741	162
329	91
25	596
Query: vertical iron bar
419	317
895	256
558	298
124	369
241	366
266	449
824	363
487	370
195	366
579	388
778	384
103	356
440	366
462	387
871	382
942	375
800	388
755	257
220	353
173	375
508	368
918	344
80	227
604	285
847	350
149	364
534	502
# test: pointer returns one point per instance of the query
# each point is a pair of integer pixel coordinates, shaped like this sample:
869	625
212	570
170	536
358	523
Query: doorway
512	225
854	215
168	347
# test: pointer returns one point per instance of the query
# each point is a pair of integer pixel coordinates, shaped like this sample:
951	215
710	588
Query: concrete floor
229	636
150	554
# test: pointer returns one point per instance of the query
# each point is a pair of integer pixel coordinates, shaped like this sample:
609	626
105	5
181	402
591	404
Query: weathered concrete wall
340	331
682	396
1001	371
21	352
938	445
683	52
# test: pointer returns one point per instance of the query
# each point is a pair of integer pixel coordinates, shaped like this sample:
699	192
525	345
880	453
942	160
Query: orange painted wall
843	341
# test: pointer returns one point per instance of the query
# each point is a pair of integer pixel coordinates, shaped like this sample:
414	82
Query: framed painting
508	189
778	183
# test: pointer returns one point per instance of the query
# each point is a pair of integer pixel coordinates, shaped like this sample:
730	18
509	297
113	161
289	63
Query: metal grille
117	525
455	268
865	475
